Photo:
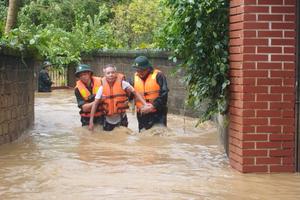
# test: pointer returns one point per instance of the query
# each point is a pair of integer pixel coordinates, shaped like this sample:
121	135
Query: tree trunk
12	13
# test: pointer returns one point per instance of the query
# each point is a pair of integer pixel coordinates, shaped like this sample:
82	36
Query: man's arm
162	100
131	82
137	96
46	79
80	100
85	107
147	107
94	107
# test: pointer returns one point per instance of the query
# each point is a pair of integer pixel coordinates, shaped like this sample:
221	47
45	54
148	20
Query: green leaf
213	82
174	59
187	19
215	35
32	41
203	50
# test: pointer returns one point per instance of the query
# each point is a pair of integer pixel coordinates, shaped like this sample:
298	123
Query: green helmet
83	68
46	64
142	63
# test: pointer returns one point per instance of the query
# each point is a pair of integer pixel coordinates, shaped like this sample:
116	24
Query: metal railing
59	77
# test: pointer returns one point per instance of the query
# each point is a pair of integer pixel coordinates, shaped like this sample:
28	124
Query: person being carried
152	85
85	91
113	97
44	80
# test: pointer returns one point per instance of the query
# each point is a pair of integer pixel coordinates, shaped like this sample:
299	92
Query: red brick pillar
262	74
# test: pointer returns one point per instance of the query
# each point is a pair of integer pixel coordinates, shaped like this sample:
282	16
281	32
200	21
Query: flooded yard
58	159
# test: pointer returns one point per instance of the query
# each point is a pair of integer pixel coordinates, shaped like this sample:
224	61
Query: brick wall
16	96
123	62
262	74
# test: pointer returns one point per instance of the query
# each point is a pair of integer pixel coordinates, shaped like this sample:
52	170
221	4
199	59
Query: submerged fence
59	77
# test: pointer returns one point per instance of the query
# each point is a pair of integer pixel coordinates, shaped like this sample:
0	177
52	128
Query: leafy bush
136	23
51	39
3	13
61	30
197	33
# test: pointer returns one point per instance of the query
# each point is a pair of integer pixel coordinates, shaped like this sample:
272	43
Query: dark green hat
142	63
83	68
46	64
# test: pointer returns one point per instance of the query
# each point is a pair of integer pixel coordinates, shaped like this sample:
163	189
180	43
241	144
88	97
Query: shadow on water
58	159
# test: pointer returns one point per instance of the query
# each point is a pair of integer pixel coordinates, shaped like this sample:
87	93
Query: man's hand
87	107
147	108
91	126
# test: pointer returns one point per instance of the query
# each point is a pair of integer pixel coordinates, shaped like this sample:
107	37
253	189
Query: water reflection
58	159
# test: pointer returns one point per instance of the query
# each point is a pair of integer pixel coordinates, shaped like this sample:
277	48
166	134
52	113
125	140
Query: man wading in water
112	97
44	80
85	91
152	85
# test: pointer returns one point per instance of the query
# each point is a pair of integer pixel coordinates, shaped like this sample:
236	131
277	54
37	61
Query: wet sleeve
99	93
80	100
127	85
161	101
46	79
130	81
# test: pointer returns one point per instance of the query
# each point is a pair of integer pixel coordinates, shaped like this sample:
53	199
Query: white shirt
116	118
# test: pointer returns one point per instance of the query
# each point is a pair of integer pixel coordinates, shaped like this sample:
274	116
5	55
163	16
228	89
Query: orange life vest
85	93
115	99
149	88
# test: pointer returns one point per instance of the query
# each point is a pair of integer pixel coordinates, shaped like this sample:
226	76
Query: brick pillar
262	74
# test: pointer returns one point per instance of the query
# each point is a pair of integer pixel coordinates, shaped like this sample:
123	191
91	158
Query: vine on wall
197	33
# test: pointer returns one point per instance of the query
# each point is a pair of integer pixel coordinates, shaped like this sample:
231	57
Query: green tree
61	30
61	14
135	24
3	13
197	33
12	14
51	38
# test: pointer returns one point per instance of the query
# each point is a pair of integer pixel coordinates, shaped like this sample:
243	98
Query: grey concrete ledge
127	53
9	51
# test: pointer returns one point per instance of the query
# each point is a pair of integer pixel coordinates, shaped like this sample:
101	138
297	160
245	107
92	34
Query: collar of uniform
150	72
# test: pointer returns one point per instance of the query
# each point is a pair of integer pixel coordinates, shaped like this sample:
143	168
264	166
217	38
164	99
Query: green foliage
61	14
197	33
136	24
62	39
61	30
3	13
94	32
195	30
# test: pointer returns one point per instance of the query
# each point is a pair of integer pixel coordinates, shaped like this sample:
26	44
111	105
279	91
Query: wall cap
128	53
9	51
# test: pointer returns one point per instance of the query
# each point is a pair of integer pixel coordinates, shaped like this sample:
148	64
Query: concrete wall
221	122
16	95
123	62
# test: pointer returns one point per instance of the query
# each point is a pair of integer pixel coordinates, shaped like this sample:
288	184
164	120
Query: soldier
152	85
85	91
44	80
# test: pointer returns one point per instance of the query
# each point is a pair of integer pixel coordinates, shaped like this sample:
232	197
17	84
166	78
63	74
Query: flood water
58	159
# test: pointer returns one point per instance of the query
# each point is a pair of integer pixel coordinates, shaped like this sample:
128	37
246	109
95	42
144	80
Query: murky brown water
58	159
